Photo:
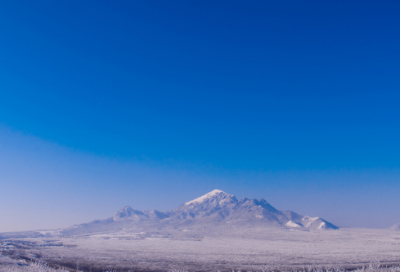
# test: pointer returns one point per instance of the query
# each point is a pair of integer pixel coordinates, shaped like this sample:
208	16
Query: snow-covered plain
253	250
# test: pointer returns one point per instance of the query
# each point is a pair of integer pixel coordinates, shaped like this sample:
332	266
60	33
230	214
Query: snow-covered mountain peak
127	212
211	195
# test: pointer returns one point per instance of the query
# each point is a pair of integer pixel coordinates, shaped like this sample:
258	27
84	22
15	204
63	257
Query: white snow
309	220
322	225
255	250
292	224
206	196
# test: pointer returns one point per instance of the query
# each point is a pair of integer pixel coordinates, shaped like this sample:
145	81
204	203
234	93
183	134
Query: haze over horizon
152	104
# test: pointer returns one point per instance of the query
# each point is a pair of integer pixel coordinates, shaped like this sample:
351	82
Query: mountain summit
214	195
216	201
212	210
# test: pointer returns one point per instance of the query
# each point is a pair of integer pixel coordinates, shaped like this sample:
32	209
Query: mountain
395	227
127	213
210	211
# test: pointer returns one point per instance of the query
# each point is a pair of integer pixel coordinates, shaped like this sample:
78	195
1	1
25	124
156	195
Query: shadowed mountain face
215	209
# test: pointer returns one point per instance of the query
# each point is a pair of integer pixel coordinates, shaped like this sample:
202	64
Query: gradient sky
153	103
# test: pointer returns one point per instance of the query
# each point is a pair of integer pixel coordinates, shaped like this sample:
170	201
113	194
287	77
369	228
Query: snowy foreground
37	267
253	250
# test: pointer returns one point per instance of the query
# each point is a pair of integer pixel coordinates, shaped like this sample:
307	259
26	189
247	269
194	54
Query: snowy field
254	250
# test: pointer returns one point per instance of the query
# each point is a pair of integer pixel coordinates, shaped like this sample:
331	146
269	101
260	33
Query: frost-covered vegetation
253	250
32	267
42	267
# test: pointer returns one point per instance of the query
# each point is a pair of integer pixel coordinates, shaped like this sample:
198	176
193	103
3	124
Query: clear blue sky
258	97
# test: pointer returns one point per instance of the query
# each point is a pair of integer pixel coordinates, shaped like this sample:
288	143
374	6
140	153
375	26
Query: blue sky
143	98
